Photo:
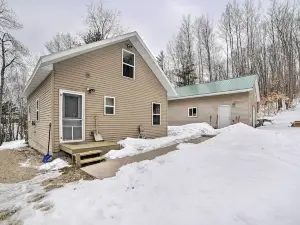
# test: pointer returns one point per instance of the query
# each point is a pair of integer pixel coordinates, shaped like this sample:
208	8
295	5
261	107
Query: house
114	85
219	103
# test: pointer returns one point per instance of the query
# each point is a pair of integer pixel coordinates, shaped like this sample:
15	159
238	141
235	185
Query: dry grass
69	175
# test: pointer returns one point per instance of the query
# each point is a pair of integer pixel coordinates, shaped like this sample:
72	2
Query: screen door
72	117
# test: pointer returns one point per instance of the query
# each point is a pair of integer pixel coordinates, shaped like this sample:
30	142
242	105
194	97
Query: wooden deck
73	148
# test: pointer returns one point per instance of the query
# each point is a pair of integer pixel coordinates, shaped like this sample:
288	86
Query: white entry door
224	115
71	116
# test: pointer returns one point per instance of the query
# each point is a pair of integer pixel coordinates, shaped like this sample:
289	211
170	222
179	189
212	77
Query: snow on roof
45	63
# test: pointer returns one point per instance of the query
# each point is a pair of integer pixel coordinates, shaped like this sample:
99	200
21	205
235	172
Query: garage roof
230	86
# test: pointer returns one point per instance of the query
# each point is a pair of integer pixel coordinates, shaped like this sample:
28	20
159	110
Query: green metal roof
234	84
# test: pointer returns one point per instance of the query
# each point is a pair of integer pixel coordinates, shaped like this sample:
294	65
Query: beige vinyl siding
252	102
133	97
208	109
38	134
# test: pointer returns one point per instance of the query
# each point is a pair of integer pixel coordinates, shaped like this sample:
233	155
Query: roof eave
212	94
42	72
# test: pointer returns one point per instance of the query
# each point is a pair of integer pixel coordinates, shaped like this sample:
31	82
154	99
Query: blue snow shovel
48	156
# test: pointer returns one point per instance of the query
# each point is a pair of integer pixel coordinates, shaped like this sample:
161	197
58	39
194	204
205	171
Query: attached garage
219	103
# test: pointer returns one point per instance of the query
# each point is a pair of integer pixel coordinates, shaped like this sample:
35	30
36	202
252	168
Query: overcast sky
156	20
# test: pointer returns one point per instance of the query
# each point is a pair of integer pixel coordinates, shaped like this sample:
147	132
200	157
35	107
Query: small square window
109	110
109	105
110	101
156	113
128	71
128	58
193	112
128	64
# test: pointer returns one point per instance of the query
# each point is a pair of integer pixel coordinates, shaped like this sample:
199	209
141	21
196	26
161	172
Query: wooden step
93	152
90	160
89	146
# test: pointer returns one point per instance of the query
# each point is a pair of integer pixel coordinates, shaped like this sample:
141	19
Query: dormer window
128	64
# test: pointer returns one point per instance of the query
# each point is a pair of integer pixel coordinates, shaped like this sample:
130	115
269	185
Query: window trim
114	107
156	114
29	113
192	112
128	64
37	110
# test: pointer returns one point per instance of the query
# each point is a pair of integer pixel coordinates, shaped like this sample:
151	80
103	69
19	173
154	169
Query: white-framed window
37	110
128	64
29	113
193	112
156	114
109	105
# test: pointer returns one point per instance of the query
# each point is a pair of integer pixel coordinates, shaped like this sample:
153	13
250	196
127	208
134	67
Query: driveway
109	168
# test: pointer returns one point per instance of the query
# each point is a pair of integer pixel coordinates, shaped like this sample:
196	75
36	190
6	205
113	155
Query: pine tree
161	60
186	74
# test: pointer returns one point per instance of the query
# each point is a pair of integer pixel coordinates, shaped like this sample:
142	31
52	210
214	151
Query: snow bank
13	145
176	134
54	165
242	176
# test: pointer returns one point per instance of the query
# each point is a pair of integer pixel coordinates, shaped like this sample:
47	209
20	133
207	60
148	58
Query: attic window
128	64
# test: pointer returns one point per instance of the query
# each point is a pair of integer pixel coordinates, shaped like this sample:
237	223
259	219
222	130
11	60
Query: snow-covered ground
13	145
21	197
56	164
242	176
176	134
282	122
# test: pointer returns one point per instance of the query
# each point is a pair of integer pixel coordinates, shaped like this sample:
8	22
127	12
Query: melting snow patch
177	134
13	145
54	165
18	200
27	164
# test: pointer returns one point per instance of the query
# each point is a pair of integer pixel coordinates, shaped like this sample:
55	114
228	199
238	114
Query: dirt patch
44	206
5	214
10	169
36	197
69	174
12	172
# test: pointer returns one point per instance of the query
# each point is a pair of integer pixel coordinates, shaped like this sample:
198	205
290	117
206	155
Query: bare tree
11	54
101	23
206	37
199	49
11	50
248	42
17	126
61	42
182	51
8	18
